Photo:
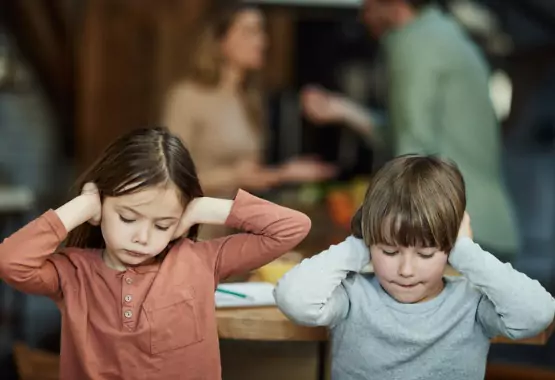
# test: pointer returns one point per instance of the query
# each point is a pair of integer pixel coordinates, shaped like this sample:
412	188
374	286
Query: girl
409	321
135	290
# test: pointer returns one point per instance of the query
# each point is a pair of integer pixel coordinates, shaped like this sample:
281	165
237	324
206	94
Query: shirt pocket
173	320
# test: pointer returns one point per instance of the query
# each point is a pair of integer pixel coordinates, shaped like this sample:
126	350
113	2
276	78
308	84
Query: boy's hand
465	229
90	192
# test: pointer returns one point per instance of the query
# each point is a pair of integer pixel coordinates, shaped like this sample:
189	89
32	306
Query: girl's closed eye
126	220
163	228
426	255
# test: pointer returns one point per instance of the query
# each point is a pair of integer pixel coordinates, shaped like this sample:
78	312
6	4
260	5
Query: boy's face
409	274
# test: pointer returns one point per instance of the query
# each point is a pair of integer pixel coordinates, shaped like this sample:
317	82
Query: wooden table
264	323
270	324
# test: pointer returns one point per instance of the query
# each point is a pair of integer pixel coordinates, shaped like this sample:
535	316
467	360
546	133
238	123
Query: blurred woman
218	109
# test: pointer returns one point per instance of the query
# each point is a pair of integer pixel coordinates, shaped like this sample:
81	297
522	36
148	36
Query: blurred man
438	103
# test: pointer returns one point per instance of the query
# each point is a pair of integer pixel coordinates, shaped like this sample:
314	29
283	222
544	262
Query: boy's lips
407	286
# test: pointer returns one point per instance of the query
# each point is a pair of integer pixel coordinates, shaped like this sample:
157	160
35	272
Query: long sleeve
270	231
312	293
414	77
513	305
24	256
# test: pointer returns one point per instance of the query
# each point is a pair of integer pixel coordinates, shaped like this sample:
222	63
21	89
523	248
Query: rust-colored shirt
150	322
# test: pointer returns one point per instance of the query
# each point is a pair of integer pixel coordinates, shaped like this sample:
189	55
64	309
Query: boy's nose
406	268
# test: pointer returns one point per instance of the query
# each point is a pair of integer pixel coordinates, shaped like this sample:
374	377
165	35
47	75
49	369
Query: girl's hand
203	210
87	207
188	219
465	229
90	192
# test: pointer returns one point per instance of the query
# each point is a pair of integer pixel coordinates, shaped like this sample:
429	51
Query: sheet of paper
258	294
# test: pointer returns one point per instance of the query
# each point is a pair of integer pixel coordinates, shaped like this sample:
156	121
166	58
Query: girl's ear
356	224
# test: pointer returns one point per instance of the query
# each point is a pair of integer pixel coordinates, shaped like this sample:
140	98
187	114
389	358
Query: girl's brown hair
138	160
413	201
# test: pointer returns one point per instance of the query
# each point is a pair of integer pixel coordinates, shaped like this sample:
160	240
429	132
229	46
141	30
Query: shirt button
129	280
128	314
128	298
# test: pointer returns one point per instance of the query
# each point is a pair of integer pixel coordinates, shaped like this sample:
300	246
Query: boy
409	321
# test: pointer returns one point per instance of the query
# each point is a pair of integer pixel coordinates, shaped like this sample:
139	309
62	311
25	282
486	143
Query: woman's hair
140	159
413	201
205	67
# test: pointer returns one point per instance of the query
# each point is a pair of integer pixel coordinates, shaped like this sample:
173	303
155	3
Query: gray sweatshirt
448	337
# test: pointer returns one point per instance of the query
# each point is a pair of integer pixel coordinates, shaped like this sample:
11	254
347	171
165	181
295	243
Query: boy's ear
356	224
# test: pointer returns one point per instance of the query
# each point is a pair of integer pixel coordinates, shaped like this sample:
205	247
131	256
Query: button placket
128	313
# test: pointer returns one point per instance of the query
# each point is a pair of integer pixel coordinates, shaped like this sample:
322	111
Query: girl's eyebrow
130	209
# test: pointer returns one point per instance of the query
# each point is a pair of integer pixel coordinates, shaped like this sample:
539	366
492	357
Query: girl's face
137	227
409	274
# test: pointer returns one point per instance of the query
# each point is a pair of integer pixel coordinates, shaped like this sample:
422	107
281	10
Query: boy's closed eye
427	253
423	254
390	252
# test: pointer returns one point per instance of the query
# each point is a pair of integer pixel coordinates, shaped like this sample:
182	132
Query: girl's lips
136	254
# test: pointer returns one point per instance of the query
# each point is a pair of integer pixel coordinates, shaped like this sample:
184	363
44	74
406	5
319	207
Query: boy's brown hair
413	201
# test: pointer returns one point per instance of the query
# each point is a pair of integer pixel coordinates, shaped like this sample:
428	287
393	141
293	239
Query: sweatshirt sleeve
312	292
512	304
